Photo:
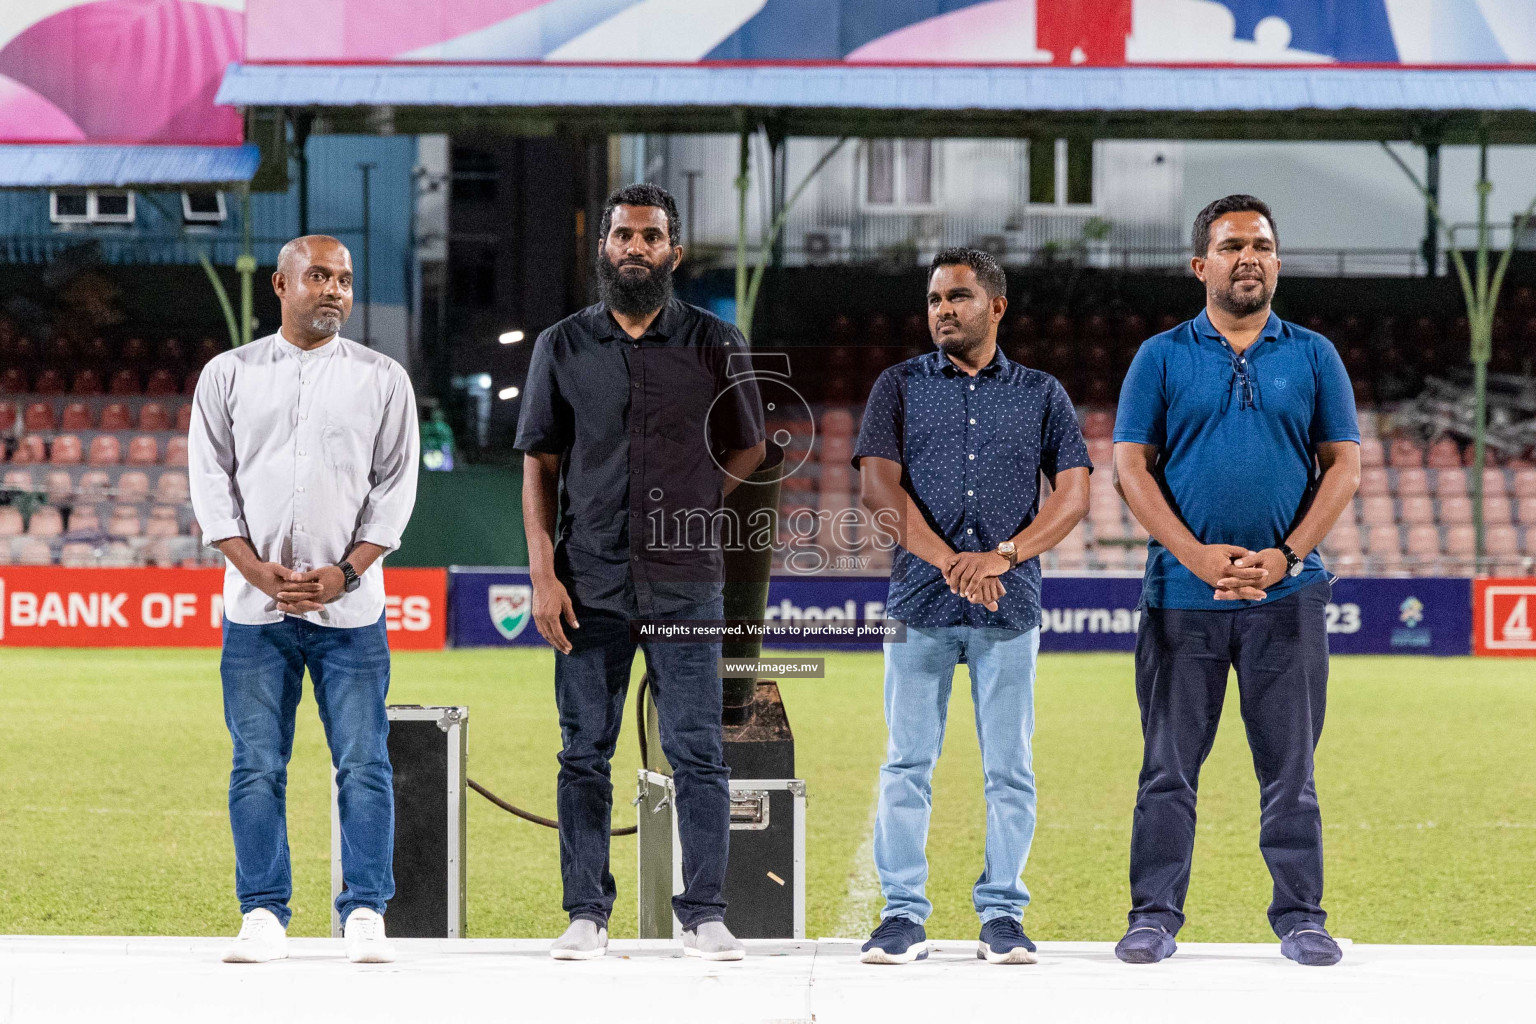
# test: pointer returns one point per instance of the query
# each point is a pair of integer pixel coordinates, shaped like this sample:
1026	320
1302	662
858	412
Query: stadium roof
822	99
56	165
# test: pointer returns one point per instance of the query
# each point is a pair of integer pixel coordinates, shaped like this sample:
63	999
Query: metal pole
301	128
743	182
245	265
367	169
693	177
1482	345
1431	246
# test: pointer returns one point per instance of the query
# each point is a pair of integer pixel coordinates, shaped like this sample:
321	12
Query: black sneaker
1311	946
1146	943
898	940
1003	942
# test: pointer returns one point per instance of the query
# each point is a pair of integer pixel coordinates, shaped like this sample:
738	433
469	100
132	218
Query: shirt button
973	387
636	385
971	493
968	530
971	456
973	421
301	488
301	451
303	415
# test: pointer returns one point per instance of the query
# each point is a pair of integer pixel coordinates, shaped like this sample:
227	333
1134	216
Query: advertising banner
494	607
53	607
1066	33
1504	617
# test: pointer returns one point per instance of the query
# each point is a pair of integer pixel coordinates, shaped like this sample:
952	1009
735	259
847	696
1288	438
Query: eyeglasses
1241	380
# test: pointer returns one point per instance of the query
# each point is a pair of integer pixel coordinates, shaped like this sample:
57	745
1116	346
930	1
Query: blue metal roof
61	165
852	87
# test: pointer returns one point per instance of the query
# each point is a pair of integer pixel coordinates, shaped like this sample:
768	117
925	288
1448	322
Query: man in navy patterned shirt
953	444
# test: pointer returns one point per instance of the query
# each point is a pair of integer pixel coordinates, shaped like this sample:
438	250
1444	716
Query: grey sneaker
712	940
585	939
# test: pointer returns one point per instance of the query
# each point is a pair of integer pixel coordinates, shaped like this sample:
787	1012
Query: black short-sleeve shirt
640	425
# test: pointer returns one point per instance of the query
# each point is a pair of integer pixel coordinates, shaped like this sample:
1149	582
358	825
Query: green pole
1482	349
743	182
245	265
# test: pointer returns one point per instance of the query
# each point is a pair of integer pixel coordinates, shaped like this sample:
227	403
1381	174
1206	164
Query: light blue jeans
918	677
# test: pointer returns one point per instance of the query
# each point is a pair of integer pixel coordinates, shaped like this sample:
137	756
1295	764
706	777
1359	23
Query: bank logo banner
511	606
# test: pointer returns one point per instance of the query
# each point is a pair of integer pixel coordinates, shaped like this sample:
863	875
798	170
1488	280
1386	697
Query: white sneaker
366	941
262	937
584	939
712	940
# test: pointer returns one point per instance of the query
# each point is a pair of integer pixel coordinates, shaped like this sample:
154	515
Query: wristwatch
1009	551
1293	564
353	579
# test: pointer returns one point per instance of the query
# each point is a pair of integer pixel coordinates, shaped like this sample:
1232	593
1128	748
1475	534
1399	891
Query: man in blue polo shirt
1237	447
952	447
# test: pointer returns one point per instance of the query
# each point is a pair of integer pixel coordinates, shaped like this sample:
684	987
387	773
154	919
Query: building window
475	174
899	174
1061	172
203	207
92	206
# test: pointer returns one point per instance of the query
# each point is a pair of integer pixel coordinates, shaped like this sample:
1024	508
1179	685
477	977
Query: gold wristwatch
1009	551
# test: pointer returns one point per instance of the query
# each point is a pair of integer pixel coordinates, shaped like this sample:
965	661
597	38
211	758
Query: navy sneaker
898	940
1311	946
1003	942
1146	944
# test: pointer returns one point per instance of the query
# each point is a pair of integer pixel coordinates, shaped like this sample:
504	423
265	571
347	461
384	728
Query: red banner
1504	617
54	607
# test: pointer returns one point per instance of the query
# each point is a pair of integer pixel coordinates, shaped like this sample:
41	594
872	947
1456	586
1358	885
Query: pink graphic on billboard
118	71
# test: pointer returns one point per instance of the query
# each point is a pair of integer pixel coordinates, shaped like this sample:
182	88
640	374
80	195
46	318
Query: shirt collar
996	366
287	347
1206	329
666	324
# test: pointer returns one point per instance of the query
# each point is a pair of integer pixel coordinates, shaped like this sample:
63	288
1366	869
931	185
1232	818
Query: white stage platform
168	981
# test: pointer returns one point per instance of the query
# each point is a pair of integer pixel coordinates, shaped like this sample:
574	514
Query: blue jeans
262	669
590	685
918	676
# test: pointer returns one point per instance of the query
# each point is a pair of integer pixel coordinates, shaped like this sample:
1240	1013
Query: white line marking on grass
863	880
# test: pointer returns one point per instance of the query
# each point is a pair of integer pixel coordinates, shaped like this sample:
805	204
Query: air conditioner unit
827	245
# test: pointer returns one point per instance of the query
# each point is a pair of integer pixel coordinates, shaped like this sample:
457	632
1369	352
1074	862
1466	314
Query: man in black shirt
631	429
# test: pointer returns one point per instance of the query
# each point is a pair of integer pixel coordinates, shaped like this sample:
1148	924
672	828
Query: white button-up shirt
305	454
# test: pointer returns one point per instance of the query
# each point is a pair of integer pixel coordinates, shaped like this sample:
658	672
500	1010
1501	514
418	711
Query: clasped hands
1238	574
297	592
974	575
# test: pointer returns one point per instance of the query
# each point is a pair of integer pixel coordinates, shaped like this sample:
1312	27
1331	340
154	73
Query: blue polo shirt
1237	458
972	450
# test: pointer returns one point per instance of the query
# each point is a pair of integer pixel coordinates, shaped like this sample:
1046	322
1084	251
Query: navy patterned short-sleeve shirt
972	450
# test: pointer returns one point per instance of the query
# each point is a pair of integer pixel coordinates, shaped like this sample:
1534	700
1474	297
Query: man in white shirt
303	452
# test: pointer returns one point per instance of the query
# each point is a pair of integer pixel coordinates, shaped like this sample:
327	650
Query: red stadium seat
83	520
162	522
1385	548
1374	483
98	352
1418	510
135	350
1451	483
143	450
116	417
50	382
11	524
133	487
1497	509
13	381
162	382
189	385
8	417
1101	450
46	521
207	348
154	417
171	351
1405	454
30	450
124	382
1372	453
1527	511
77	416
125	522
171	489
1444	454
66	450
39	416
1495	483
58	488
17	480
87	382
1461	542
93	485
77	554
1455	511
32	551
1377	511
176	451
184	417
105	451
1412	483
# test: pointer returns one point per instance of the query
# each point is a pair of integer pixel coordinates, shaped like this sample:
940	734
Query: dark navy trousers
1280	651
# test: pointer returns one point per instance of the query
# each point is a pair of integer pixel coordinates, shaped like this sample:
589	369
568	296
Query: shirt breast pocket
347	442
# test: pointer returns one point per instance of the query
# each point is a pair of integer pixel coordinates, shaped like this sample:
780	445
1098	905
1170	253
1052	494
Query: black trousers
1280	651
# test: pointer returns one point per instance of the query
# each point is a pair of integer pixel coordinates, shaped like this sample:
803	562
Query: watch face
1294	570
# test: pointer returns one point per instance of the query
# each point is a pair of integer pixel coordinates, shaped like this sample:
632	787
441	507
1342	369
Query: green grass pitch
113	768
